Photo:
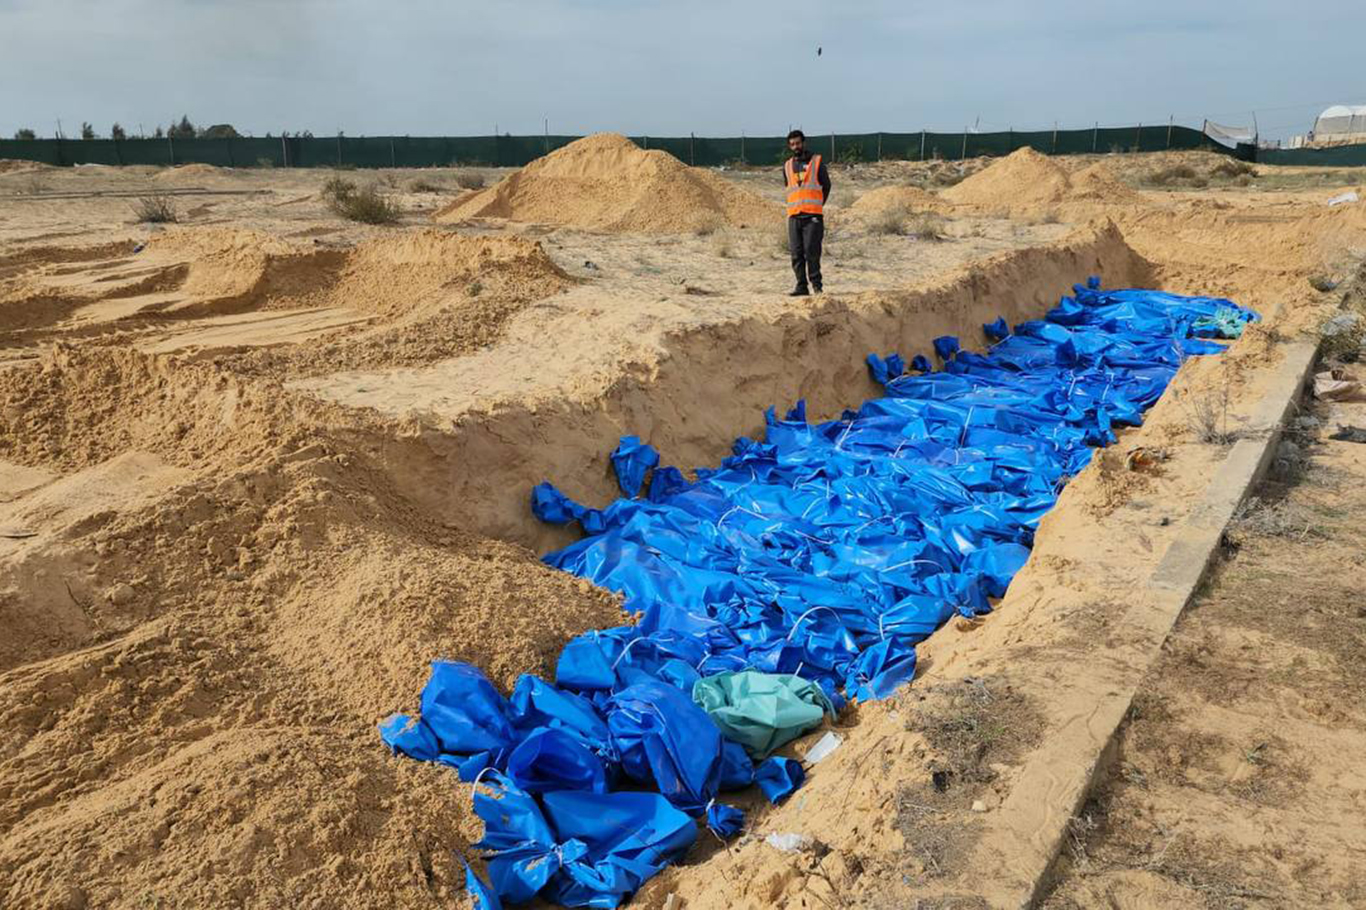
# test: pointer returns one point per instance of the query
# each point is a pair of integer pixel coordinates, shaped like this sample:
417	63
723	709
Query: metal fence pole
171	142
284	151
922	145
339	161
1170	122
879	146
692	153
1055	137
964	153
1138	137
742	147
1095	136
393	159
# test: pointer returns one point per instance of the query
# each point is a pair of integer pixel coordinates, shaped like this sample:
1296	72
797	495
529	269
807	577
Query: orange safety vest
804	196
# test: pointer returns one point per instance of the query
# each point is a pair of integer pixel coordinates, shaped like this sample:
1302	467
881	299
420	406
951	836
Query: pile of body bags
800	573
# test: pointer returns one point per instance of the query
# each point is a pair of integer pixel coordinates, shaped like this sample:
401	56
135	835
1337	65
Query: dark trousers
804	235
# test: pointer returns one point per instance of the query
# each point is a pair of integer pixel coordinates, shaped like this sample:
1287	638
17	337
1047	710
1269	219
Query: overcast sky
714	68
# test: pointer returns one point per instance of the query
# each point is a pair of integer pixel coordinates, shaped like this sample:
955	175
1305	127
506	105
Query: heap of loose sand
224	593
187	172
1098	182
606	182
914	198
1022	178
1026	180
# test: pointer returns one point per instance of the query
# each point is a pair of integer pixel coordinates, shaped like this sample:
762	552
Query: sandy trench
259	468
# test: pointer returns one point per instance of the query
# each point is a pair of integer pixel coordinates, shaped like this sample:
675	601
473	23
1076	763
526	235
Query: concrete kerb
1066	780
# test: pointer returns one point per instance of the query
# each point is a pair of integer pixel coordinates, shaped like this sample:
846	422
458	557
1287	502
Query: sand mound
605	182
188	172
398	275
1098	182
248	594
1024	177
883	198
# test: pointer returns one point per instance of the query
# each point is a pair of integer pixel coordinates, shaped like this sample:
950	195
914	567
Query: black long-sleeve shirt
822	175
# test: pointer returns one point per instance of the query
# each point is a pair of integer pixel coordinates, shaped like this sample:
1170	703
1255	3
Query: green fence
515	151
1336	156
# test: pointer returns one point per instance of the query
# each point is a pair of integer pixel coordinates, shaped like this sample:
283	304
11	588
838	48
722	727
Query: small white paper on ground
788	843
823	747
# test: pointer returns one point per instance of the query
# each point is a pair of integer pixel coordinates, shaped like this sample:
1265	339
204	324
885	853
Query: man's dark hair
796	134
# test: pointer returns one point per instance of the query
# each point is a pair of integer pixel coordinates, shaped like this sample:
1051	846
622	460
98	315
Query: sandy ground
1238	781
259	467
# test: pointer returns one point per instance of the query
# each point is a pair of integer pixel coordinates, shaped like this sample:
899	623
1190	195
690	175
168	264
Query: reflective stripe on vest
804	195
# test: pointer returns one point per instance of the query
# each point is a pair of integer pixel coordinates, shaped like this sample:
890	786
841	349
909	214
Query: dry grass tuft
364	204
929	226
1207	416
469	180
156	209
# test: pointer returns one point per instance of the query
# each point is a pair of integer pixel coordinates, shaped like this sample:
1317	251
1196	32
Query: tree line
179	129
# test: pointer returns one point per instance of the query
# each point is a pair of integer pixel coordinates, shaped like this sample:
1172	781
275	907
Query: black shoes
801	291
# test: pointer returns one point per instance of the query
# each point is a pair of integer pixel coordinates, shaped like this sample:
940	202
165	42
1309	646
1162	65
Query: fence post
922	145
171	142
1095	136
879	146
339	150
964	153
118	153
393	159
692	152
743	160
1138	137
1055	137
1170	121
284	151
832	147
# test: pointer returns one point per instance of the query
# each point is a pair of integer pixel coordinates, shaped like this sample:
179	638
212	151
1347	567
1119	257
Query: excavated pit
697	389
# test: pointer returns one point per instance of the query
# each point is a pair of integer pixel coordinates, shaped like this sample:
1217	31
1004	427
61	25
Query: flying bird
818	52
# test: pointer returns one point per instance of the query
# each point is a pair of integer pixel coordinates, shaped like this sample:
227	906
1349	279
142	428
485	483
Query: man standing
808	186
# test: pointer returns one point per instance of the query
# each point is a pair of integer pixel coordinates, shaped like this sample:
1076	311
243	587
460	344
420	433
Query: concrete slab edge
1173	585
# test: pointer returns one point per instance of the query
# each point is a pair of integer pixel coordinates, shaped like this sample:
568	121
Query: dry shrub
894	220
422	185
1171	175
156	209
1207	415
469	180
930	226
364	204
1231	168
723	245
708	226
